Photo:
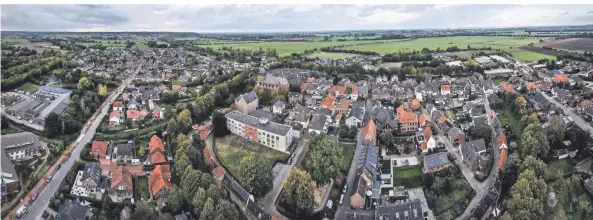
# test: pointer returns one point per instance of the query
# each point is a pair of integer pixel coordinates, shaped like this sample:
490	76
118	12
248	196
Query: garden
409	176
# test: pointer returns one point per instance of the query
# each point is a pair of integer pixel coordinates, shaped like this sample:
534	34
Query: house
133	104
159	182
369	134
133	115
429	141
342	106
157	113
328	102
115	119
21	146
99	149
121	185
561	79
74	210
355	117
123	153
247	102
415	104
365	174
455	135
471	153
260	130
295	98
203	130
10	179
423	120
278	107
584	105
151	104
435	162
407	121
318	124
503	150
88	181
274	84
156	150
384	118
118	106
445	90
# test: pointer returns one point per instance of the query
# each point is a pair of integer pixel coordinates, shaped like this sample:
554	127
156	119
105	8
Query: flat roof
271	127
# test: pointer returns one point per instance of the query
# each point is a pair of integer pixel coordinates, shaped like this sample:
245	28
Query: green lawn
282	48
323	55
508	118
142	188
530	56
559	168
42	170
347	154
409	177
497	81
28	87
231	149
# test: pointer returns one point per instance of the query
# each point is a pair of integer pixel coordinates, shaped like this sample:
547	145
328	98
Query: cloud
249	18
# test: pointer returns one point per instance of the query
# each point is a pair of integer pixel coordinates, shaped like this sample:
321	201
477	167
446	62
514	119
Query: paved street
577	119
345	207
38	206
270	199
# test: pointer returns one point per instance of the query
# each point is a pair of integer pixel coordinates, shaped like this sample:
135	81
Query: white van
21	211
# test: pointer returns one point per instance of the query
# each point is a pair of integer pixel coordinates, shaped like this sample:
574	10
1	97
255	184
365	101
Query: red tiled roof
176	87
155	144
339	117
218	172
99	146
423	117
344	103
115	114
157	157
427	133
502	140
118	104
132	114
415	104
561	78
369	132
121	176
445	88
160	177
303	87
328	102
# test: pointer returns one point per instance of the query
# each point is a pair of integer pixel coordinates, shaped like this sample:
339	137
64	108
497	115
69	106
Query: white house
278	107
355	117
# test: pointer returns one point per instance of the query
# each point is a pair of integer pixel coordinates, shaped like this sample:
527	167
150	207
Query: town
155	126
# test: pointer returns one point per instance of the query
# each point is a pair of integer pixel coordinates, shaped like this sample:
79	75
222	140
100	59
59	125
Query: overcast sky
266	18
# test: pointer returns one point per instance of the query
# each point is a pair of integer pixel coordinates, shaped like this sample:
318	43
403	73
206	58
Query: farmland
578	44
38	46
509	44
323	55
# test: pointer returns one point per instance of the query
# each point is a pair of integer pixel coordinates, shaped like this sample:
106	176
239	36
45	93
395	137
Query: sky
284	18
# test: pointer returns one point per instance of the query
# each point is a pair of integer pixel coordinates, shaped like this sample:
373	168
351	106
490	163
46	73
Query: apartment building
260	130
21	146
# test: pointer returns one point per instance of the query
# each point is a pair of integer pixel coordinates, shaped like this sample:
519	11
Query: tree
176	199
181	161
534	142
206	180
255	175
299	191
188	182
521	104
198	199
172	127
182	143
388	140
323	159
219	124
208	212
213	192
184	120
144	211
532	163
527	198
84	84
53	125
227	210
5	123
102	90
481	130
555	131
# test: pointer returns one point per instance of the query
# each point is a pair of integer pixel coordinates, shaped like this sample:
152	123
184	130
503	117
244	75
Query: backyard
28	88
509	119
141	188
347	154
409	177
559	168
231	149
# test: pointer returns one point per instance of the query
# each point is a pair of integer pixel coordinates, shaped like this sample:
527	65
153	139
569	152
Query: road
342	209
38	206
577	119
269	201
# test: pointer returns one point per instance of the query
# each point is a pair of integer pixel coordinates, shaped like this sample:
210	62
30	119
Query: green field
409	177
231	149
497	81
559	168
509	44
347	154
323	55
28	88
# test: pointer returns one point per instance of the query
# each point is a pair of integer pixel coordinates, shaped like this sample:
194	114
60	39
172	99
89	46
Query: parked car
345	188
58	166
34	197
341	199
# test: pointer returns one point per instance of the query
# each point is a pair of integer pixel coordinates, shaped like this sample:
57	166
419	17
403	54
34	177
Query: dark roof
123	149
262	114
454	132
324	111
475	145
54	89
318	122
436	160
279	104
357	112
73	210
7	166
248	97
271	127
413	211
369	158
382	116
93	171
22	139
231	184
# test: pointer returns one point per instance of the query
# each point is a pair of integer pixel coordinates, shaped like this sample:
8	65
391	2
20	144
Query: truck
21	211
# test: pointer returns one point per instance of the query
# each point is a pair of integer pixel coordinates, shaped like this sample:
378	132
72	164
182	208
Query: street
35	210
270	199
341	211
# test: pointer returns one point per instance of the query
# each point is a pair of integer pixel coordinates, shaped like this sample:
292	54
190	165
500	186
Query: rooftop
271	127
